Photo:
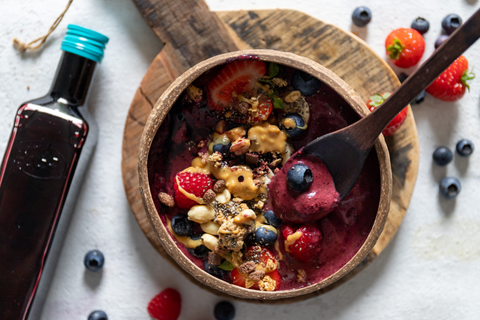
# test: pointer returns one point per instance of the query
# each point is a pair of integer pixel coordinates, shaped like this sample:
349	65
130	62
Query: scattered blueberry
272	219
224	310
293	130
224	149
305	83
98	315
442	156
402	77
419	99
451	23
465	147
440	40
94	260
182	226
421	25
265	237
199	251
299	177
450	187
361	16
214	270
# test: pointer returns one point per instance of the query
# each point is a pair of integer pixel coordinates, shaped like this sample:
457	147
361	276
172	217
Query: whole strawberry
303	243
189	186
166	305
405	46
453	82
375	101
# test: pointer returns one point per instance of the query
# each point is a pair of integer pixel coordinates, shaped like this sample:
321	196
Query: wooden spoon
344	151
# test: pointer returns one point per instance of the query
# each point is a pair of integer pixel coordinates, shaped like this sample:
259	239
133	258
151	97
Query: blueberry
305	83
442	156
421	25
450	187
224	149
182	226
361	16
465	147
265	237
402	77
451	22
419	99
299	177
214	270
440	40
94	260
272	218
293	124
199	251
224	310
98	315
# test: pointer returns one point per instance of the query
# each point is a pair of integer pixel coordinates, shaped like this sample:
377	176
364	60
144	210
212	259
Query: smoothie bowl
229	193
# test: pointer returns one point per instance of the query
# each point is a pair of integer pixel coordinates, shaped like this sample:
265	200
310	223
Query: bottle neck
73	78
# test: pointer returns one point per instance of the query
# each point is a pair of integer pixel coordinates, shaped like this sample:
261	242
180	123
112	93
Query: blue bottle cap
84	42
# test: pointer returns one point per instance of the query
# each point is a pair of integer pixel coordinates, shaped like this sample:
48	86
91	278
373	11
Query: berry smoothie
219	176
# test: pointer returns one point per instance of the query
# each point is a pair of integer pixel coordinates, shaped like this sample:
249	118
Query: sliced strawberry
259	254
238	77
194	183
239	280
276	276
265	107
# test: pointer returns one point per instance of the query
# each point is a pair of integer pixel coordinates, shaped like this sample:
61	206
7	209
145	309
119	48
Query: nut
301	275
279	82
245	217
219	186
209	241
166	199
201	213
276	162
240	146
267	284
210	228
221	126
223	197
209	196
235	133
292	96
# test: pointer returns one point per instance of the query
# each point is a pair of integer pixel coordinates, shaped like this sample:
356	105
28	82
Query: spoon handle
440	60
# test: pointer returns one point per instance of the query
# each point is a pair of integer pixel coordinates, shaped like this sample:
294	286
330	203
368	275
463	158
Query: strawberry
239	77
194	183
453	82
405	46
265	107
166	305
305	243
375	101
258	255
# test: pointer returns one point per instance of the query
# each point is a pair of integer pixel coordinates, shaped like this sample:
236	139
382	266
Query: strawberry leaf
395	49
273	69
467	76
277	102
227	266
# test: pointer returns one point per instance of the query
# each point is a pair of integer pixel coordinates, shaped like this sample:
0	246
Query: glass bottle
44	162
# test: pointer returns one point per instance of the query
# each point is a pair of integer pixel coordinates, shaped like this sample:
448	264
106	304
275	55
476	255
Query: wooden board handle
189	30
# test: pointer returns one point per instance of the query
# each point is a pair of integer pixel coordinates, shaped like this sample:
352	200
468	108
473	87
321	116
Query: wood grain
288	30
189	30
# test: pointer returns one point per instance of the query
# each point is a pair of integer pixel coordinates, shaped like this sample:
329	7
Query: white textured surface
429	271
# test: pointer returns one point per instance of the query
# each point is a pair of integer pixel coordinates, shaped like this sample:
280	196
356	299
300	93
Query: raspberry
305	248
166	305
194	183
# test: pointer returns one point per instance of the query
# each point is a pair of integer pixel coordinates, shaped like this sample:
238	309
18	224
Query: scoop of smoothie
313	203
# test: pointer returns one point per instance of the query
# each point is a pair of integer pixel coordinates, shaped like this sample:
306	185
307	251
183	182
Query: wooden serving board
293	31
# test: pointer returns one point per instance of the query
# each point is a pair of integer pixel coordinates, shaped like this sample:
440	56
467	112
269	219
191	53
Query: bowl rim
163	106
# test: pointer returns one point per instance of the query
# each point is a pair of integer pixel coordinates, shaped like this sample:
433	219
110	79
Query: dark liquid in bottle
40	161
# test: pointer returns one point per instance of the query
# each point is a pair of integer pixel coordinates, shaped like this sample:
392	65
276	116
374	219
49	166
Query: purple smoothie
344	229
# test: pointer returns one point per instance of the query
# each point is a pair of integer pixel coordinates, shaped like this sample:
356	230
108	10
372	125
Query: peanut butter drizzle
267	137
291	240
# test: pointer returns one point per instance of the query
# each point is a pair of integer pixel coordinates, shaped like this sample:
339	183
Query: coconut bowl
155	212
